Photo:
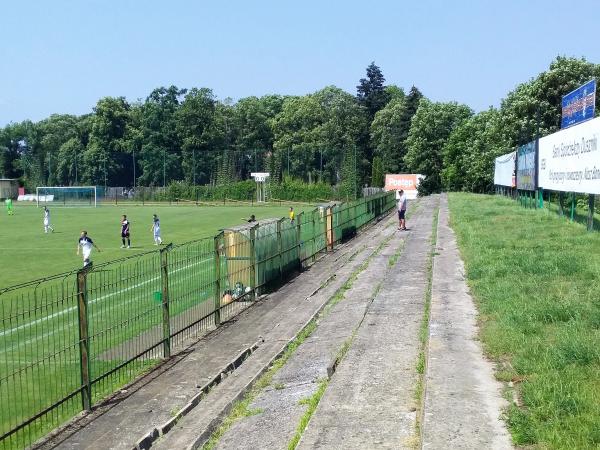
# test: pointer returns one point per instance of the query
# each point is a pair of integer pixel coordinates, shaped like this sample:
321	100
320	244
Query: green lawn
27	253
535	278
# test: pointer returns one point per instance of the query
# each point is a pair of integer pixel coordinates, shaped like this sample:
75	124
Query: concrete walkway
272	321
370	402
462	402
280	406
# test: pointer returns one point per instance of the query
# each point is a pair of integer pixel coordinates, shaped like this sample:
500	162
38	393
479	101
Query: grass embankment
535	279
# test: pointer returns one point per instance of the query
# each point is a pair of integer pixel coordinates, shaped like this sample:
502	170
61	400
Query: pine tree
371	91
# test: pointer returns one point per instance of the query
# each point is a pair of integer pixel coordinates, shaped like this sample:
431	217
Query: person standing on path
47	225
86	244
402	211
125	232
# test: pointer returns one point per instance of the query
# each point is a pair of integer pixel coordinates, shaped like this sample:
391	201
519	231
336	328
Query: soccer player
86	244
47	225
156	230
125	231
9	206
292	214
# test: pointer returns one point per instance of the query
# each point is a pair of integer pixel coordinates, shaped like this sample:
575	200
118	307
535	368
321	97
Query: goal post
67	196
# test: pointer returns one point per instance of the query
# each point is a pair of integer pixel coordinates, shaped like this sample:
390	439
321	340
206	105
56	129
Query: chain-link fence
68	341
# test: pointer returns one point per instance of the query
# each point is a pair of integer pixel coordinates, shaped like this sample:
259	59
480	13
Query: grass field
536	277
27	253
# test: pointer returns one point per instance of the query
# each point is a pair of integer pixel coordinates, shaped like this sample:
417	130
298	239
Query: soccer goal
67	196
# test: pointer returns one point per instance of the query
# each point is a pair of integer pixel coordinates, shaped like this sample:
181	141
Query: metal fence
71	340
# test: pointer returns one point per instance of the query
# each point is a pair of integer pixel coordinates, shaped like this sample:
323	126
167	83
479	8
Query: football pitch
27	253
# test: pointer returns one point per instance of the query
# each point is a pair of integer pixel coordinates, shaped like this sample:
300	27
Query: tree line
331	136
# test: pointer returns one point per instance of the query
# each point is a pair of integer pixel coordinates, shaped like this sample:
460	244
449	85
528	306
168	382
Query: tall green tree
538	102
319	135
389	130
160	159
469	153
195	120
103	158
430	129
371	92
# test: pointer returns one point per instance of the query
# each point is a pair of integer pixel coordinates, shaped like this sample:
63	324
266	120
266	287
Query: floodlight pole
194	163
134	167
164	167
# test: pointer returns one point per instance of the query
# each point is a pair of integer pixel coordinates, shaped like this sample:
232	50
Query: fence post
84	341
164	279
279	247
253	262
541	198
217	300
329	228
560	203
299	238
572	206
591	200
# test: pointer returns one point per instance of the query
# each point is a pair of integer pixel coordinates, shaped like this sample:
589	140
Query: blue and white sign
579	105
526	158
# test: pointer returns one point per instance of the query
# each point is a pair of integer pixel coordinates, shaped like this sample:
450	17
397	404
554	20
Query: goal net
67	196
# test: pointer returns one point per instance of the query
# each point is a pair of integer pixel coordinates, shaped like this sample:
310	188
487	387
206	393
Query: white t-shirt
46	217
402	203
86	246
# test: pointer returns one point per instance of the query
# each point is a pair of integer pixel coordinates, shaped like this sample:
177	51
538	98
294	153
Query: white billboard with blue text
569	160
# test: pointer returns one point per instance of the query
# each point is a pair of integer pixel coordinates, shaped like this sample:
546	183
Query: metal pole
279	247
572	206
217	294
164	167
194	163
321	180
253	271
134	168
84	342
590	224
164	277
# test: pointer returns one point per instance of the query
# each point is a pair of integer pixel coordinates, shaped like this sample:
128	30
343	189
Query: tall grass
536	279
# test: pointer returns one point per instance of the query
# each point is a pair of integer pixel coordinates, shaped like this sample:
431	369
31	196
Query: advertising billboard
504	170
579	105
526	159
408	182
569	160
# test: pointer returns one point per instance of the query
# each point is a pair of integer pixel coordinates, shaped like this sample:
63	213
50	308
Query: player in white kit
86	244
47	225
156	230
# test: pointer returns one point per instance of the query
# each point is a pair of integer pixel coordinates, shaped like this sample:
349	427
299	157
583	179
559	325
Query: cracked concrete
463	403
369	402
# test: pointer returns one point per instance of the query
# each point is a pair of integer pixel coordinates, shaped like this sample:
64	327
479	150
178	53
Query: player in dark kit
125	231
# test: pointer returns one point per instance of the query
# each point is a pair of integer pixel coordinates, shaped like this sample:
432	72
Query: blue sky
61	56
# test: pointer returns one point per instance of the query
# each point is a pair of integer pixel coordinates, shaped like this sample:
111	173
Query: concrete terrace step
369	402
277	318
462	399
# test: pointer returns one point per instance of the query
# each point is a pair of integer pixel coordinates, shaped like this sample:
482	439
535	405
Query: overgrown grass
424	333
535	279
312	402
